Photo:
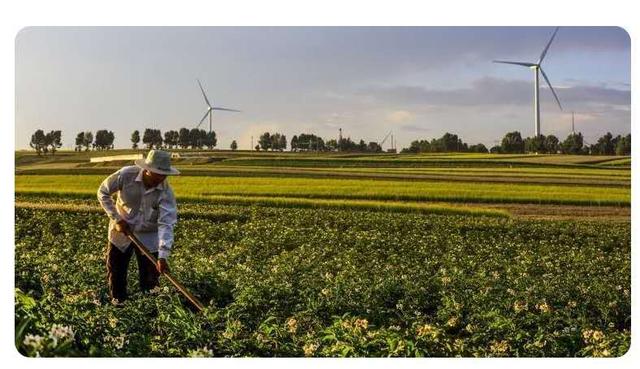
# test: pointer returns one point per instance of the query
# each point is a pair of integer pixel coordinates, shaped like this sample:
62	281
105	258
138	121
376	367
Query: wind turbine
210	108
537	67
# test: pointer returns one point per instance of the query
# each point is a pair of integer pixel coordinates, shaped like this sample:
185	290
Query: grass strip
283	202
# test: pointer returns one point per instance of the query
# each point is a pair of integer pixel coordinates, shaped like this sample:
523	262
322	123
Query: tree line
511	143
447	143
44	143
103	140
184	139
310	142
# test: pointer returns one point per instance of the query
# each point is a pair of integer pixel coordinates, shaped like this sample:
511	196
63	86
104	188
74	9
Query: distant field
473	168
189	186
327	159
339	178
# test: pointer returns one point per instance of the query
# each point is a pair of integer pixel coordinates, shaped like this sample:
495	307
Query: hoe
194	300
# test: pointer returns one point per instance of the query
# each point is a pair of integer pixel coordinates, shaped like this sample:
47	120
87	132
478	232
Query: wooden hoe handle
194	300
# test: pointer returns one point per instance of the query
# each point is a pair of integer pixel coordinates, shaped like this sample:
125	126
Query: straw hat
158	161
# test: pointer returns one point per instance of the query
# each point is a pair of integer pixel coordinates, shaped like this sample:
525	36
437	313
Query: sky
416	82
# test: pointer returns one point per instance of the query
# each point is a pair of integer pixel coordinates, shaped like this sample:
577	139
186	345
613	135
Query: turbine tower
537	69
210	109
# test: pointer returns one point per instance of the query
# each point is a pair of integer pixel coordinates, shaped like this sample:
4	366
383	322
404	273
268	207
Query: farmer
145	206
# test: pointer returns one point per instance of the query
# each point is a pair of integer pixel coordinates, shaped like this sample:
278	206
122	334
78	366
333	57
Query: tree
623	146
54	139
265	141
234	145
552	144
449	142
308	142
147	138
135	139
210	140
199	138
48	139
110	138
104	140
512	143
294	143
277	141
171	139
87	140
332	144
606	145
152	138
345	144
38	141
417	146
535	144
79	141
573	144
157	138
479	148
373	147
184	138
257	147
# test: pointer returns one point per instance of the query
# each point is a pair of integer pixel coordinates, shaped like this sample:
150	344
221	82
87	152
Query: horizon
418	82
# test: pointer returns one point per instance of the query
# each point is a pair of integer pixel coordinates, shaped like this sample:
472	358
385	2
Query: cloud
400	116
495	91
414	128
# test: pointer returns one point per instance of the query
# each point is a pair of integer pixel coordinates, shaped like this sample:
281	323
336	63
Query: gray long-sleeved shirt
151	213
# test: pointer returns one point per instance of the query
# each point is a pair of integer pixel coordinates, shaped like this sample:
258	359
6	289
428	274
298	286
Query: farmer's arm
167	218
108	187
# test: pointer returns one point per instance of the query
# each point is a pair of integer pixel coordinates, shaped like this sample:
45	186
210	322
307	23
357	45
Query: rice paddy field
304	254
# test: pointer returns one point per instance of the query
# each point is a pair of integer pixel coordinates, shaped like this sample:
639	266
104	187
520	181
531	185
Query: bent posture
146	207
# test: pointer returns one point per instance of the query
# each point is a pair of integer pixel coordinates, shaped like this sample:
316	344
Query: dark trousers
117	265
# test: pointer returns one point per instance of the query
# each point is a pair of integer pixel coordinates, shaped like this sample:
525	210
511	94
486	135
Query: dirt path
560	212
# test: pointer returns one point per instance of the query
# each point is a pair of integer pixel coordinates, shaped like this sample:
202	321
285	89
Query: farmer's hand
123	226
162	266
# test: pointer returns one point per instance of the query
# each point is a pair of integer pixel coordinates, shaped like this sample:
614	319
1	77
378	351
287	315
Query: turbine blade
544	52
203	118
203	94
551	87
225	109
515	63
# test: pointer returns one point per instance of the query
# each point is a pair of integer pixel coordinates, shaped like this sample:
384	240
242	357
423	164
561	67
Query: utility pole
573	127
340	139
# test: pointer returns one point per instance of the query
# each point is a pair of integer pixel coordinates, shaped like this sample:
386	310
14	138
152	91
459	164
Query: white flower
34	341
60	332
309	349
201	352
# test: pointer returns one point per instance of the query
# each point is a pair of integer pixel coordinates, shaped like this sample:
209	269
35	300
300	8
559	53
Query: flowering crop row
308	282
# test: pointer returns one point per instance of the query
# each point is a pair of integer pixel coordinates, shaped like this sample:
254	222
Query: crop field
203	186
449	255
